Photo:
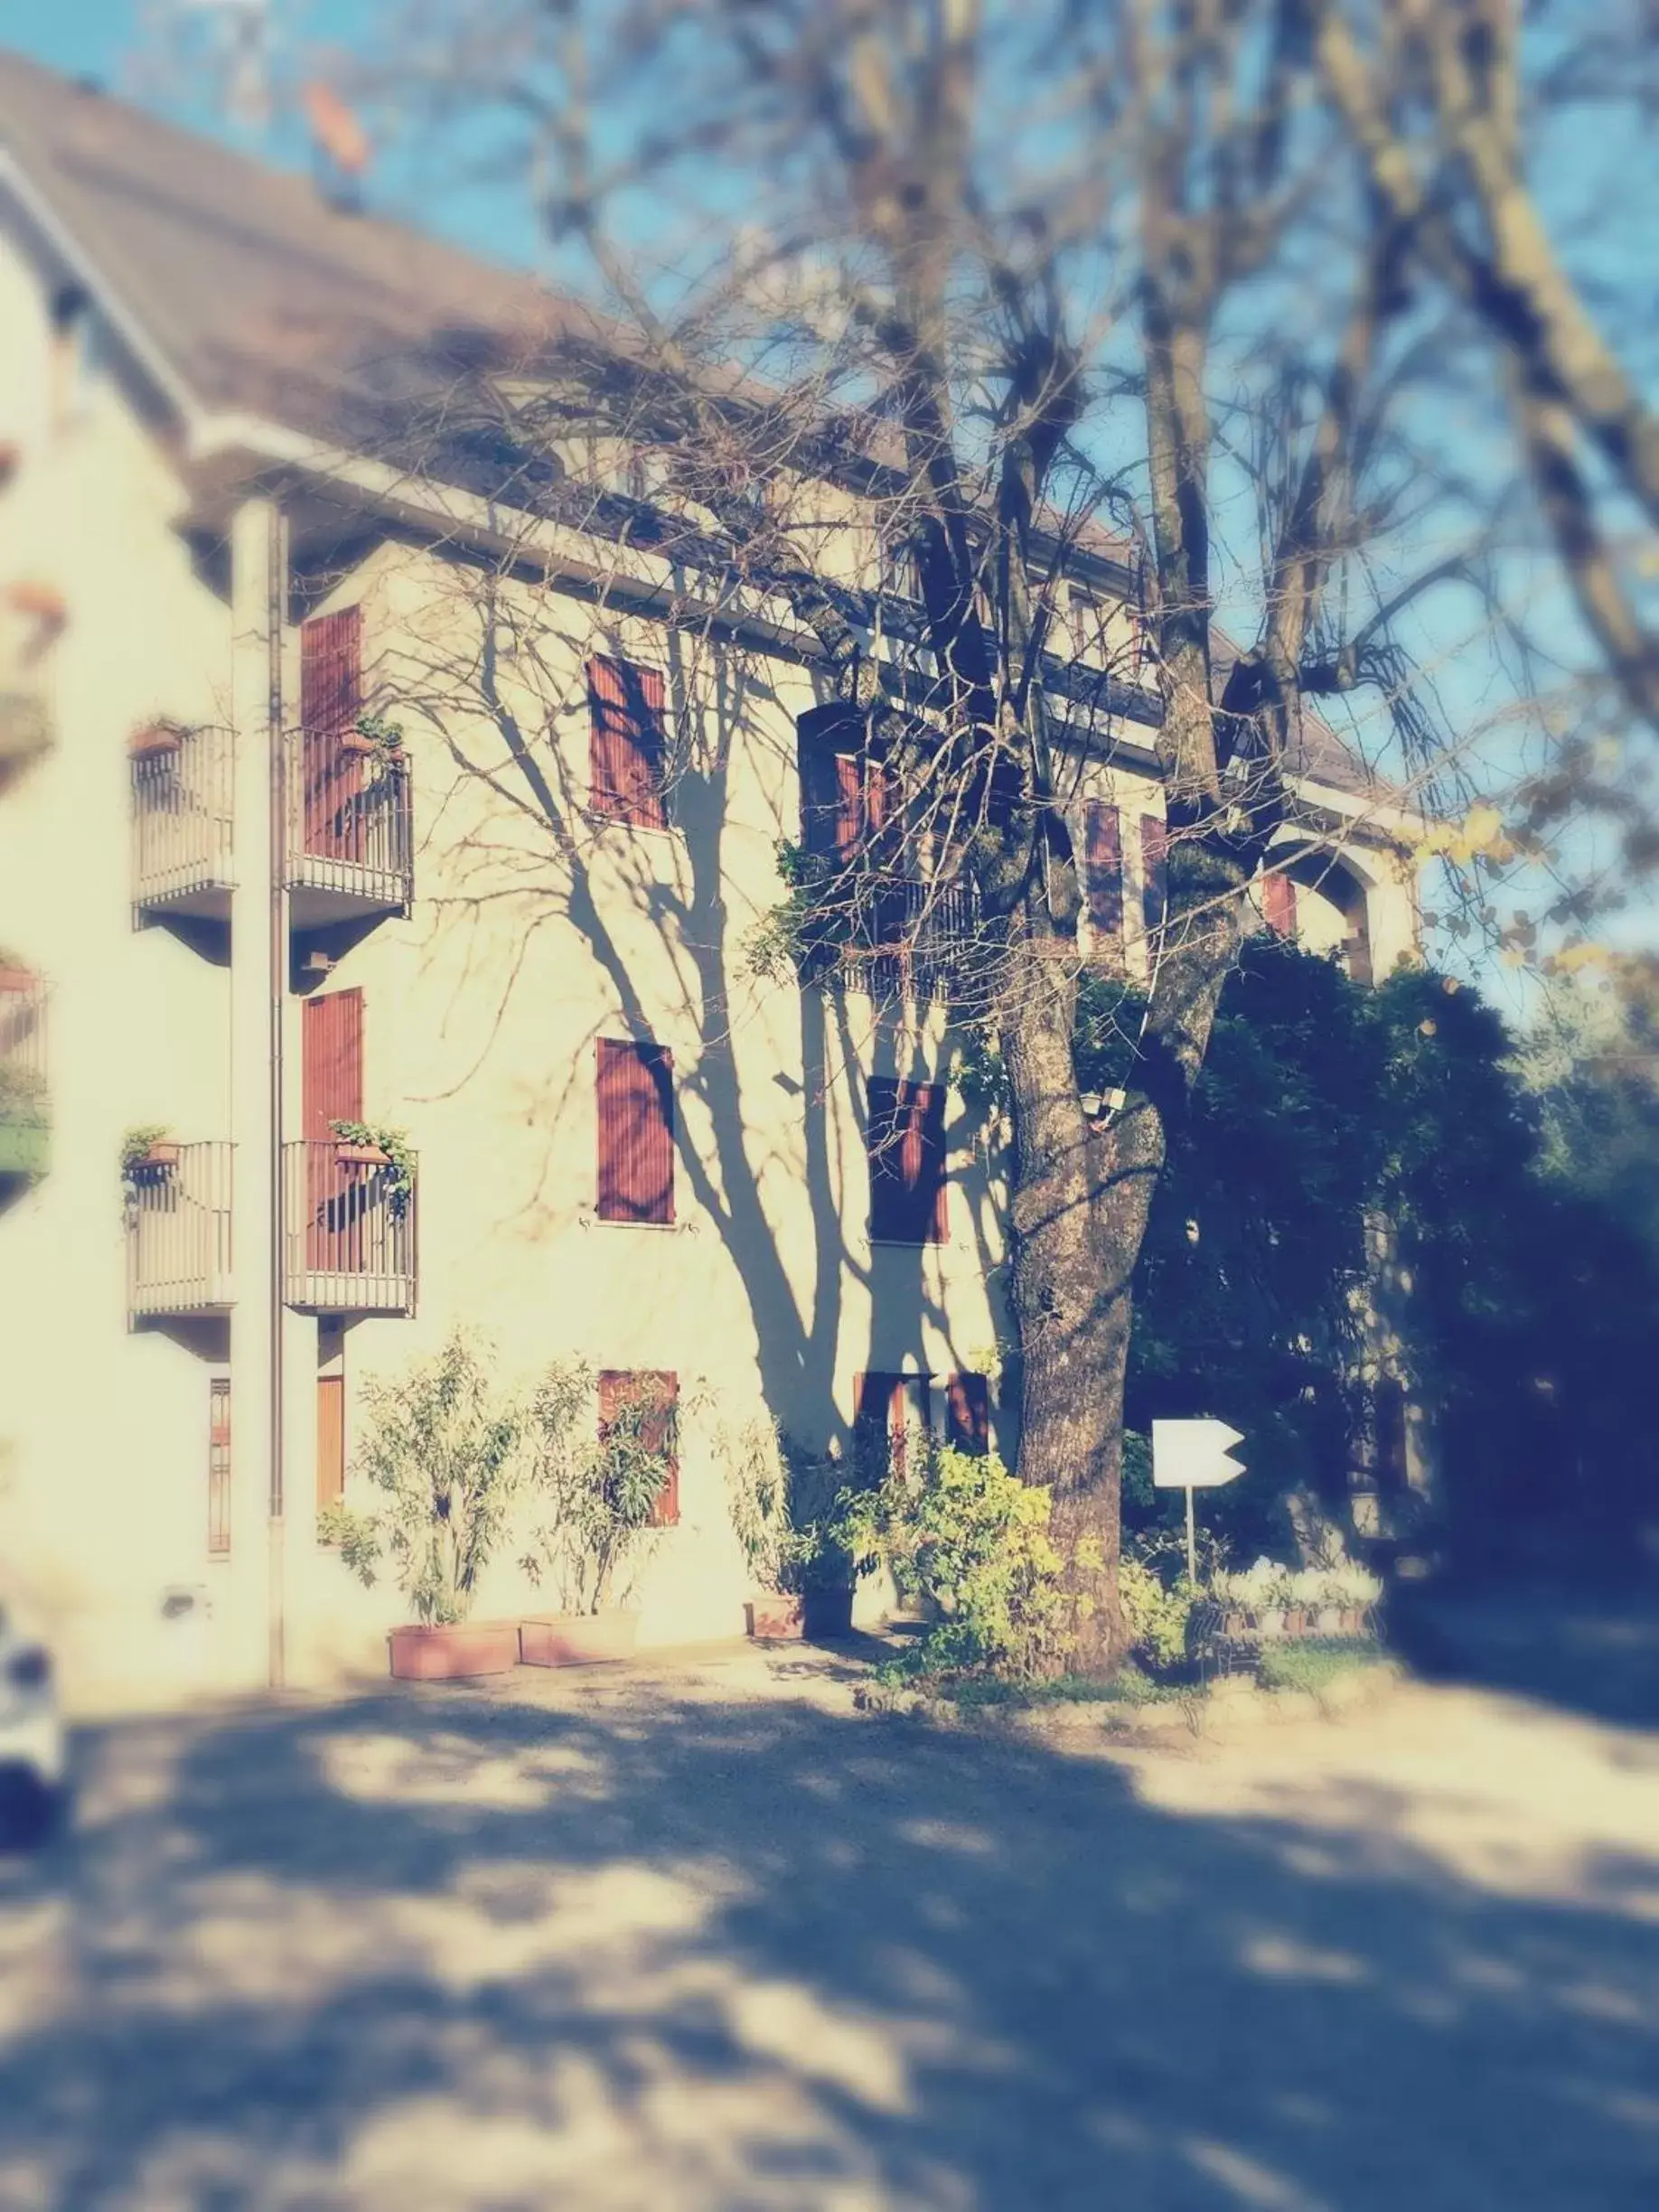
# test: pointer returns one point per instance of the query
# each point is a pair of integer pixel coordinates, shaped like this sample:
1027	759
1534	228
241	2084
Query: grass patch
1314	1663
1128	1686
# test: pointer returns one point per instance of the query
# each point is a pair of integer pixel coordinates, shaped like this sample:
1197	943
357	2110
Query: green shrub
972	1541
597	1486
441	1447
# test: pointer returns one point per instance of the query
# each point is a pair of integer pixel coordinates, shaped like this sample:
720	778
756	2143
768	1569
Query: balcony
905	938
182	812
178	1230
350	836
348	1231
26	1133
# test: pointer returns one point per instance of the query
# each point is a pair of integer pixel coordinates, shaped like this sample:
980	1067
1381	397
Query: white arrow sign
1192	1455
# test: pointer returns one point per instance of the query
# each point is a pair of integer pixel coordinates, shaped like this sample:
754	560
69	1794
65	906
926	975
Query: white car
34	1750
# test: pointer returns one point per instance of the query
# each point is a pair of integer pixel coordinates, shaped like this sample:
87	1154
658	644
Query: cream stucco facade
175	556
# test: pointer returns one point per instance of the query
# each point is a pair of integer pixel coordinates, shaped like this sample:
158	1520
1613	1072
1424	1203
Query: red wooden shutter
635	1097
849	807
331	1091
884	1404
331	1062
659	1429
1154	871
1278	905
1103	870
628	752
330	1440
968	1412
219	1466
905	1141
331	699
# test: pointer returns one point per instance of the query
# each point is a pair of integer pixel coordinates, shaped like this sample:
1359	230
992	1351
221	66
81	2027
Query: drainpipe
259	979
277	923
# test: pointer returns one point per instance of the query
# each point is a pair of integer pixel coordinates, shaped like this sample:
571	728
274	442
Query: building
337	790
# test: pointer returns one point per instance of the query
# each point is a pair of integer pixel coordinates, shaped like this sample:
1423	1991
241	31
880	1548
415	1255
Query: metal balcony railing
178	1230
183	815
350	829
349	1233
905	936
24	1112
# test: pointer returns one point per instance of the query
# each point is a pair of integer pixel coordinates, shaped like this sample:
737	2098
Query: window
635	1086
330	1440
886	1406
1103	873
1278	905
1154	872
906	1144
219	1467
628	747
967	1403
846	787
645	1404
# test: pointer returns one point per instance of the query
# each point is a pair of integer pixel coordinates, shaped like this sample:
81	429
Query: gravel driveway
705	1937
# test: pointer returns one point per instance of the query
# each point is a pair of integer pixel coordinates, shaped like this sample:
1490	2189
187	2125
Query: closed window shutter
331	1062
1278	905
1154	872
847	795
1104	871
635	1088
219	1466
330	1440
628	752
331	672
968	1412
331	699
656	1391
906	1138
885	1404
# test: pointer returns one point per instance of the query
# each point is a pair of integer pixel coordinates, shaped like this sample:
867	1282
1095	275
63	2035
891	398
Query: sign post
1193	1454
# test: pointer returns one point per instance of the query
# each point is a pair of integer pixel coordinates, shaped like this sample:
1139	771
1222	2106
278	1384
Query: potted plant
149	1148
364	1143
598	1487
782	1503
372	736
442	1449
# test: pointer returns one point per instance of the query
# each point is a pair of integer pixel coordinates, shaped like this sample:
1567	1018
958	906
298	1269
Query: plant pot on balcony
163	1154
361	1156
15	979
155	741
354	743
776	1616
578	1639
435	1651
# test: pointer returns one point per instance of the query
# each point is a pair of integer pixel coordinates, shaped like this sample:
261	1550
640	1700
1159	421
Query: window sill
909	1244
669	1228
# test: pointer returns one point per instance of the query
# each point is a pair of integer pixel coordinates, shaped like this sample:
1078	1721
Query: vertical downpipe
277	610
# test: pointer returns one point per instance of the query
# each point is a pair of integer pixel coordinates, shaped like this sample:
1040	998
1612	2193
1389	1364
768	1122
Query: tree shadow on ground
1585	1648
445	1950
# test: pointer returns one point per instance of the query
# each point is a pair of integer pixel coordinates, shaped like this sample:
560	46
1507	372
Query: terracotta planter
1236	1624
17	980
353	742
157	738
361	1156
164	1153
578	1639
434	1652
776	1616
827	1613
